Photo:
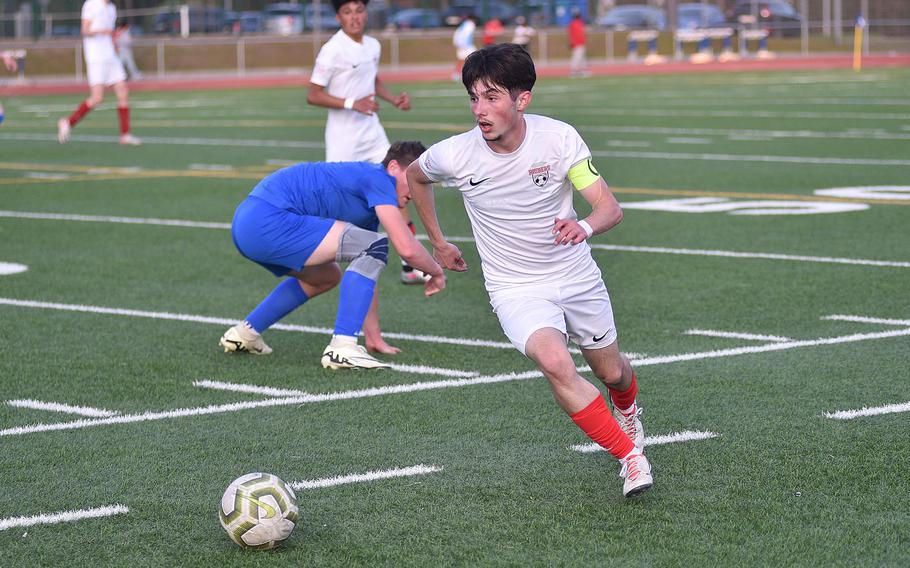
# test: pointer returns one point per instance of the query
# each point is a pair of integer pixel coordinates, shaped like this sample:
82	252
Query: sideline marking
7	268
65	408
735	335
456	239
63	516
417	387
419	469
232	321
861	319
684	436
864	411
800	160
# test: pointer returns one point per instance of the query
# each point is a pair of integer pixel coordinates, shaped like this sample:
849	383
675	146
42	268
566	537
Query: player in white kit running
516	173
104	70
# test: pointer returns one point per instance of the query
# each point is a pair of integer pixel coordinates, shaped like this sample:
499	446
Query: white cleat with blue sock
243	339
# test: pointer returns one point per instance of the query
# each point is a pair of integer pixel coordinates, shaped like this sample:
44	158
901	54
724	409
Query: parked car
776	16
327	20
283	18
483	9
415	18
699	15
244	22
634	17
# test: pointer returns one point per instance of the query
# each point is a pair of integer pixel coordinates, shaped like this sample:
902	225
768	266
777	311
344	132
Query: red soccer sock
79	113
412	228
623	400
597	422
124	113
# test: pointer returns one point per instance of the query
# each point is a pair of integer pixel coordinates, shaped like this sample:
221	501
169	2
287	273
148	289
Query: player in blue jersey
302	221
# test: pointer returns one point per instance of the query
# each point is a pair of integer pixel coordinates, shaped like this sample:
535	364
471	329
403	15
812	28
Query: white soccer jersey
103	16
346	69
514	199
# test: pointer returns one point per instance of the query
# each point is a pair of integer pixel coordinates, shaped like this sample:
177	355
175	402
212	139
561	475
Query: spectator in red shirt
492	30
578	44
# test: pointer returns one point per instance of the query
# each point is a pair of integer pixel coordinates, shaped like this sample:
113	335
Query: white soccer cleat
631	424
130	140
242	339
414	276
636	471
350	357
63	130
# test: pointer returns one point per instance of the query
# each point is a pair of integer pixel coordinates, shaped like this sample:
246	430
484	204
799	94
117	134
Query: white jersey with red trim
102	16
513	200
348	69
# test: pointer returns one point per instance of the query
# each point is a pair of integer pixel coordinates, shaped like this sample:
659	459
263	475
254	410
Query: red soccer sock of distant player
124	113
623	400
79	113
597	422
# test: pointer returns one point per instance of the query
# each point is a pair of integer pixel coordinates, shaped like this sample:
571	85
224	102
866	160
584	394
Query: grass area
102	319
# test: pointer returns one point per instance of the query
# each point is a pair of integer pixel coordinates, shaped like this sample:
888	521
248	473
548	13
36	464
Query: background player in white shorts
346	81
516	173
104	70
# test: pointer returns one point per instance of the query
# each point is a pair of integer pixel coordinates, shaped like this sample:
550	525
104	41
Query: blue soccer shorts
278	240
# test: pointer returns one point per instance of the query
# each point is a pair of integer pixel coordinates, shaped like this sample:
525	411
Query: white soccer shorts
581	310
105	72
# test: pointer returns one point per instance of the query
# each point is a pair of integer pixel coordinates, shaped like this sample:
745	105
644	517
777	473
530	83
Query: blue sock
284	299
355	296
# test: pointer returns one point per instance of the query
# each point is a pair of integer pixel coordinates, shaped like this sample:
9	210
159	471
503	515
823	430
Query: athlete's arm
87	30
606	212
401	102
409	248
317	96
422	193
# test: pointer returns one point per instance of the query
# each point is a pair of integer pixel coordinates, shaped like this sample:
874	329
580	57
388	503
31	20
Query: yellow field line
256	173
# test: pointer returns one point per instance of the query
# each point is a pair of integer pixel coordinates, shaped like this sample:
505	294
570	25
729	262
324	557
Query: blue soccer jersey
346	191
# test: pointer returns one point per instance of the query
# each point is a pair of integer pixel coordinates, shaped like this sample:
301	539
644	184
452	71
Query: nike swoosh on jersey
476	183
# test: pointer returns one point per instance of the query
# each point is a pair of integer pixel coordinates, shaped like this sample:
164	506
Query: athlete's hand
568	232
366	105
403	102
434	285
380	346
449	257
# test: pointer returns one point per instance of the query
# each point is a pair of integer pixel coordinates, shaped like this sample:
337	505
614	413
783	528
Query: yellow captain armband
583	174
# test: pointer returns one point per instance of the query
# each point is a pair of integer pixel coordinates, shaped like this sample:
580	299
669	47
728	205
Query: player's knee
372	260
557	367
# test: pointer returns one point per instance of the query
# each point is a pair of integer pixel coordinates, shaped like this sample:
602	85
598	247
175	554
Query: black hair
339	3
404	152
505	65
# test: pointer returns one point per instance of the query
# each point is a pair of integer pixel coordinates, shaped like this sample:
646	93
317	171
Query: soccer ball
258	510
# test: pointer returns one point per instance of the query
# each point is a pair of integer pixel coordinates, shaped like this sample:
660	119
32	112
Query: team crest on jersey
540	174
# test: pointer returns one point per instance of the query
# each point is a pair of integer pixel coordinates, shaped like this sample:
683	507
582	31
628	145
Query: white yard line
65	408
457	239
756	255
874	411
685	436
365	477
465	342
800	160
861	319
62	517
306	398
736	335
170	140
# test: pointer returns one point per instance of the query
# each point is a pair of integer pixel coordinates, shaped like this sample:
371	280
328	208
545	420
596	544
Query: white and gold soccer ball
258	510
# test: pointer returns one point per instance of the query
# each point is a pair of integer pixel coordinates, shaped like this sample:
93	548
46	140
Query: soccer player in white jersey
516	173
346	81
104	70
